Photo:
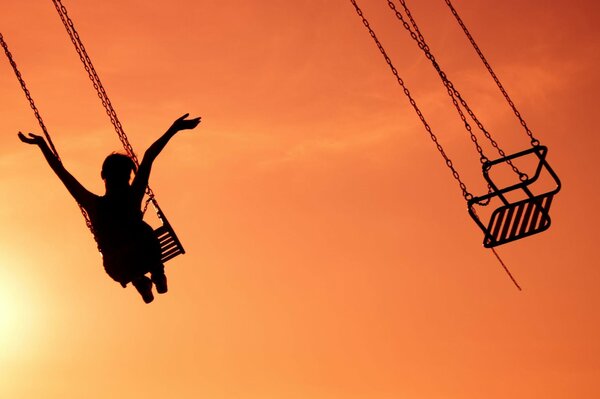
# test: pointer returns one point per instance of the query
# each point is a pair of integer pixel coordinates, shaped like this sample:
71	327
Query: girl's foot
160	281
144	287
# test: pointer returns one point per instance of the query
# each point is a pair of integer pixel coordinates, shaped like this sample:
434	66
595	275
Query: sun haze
329	252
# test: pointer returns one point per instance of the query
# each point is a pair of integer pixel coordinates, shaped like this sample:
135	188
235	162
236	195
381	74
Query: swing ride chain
425	48
95	79
13	64
413	103
466	194
454	94
28	95
89	68
534	141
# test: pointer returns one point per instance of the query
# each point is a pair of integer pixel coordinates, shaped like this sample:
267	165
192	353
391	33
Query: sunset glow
329	251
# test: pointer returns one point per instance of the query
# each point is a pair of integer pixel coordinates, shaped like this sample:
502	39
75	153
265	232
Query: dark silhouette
128	245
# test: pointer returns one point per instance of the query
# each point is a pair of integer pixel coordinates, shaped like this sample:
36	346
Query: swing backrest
170	246
514	220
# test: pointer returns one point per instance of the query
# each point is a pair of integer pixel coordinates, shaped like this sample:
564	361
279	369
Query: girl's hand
184	124
32	139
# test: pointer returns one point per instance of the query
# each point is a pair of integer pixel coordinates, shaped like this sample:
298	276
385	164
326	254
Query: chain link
534	141
413	103
101	92
13	64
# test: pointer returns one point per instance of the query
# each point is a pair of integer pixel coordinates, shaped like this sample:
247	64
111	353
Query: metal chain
12	62
454	94
101	92
415	33
93	76
534	141
413	103
28	95
466	194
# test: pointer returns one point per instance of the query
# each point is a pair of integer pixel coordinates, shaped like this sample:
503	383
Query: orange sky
330	254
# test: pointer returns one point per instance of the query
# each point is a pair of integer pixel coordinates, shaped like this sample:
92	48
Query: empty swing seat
518	219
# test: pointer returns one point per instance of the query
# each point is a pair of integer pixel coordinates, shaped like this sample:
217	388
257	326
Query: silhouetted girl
128	245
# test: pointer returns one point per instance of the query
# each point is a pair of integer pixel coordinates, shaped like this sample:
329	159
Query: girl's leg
159	279
144	286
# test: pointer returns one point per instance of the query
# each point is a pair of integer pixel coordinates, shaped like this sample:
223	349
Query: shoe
160	281
144	287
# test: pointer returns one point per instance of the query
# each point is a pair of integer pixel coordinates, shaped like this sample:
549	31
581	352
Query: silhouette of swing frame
518	219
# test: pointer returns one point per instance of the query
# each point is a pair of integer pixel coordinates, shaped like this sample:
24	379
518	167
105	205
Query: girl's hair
117	166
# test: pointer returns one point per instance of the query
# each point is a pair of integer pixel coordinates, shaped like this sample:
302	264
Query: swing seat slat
518	220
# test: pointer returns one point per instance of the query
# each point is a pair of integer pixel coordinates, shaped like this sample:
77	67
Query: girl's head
117	168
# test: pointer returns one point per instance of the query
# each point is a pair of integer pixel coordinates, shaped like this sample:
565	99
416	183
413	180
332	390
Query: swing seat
517	219
170	246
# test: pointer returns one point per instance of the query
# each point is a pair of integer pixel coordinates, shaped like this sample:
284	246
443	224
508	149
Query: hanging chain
454	94
466	194
28	95
12	62
95	79
413	103
93	76
534	141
